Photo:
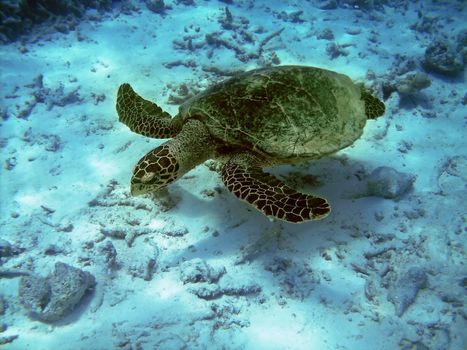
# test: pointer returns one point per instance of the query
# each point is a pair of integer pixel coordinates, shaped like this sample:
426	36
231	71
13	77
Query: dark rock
176	231
197	270
441	58
186	2
405	290
425	24
457	166
451	297
10	163
370	290
353	31
60	96
53	143
52	298
227	315
150	269
116	233
235	288
110	254
462	45
8	339
18	17
329	5
388	183
156	6
413	82
453	175
463	282
68	286
293	17
364	4
326	34
52	249
144	264
172	341
65	228
12	273
462	40
34	293
403	64
207	291
5	248
226	21
334	50
144	267
278	264
3	140
2	305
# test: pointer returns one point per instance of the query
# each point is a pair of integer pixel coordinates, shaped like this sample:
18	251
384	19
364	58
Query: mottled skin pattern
259	118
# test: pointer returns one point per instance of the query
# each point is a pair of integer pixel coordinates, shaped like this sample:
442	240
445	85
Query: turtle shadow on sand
412	101
260	118
242	232
336	177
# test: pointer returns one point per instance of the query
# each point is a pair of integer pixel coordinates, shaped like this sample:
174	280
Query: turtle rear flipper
142	116
244	177
374	108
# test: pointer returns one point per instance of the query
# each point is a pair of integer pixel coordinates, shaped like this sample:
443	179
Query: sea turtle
259	118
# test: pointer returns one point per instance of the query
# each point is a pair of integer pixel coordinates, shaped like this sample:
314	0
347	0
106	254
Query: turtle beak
143	185
137	187
136	190
140	184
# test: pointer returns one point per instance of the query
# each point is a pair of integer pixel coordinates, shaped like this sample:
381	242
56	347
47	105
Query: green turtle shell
286	112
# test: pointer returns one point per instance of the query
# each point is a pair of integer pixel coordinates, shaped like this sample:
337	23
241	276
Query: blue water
86	265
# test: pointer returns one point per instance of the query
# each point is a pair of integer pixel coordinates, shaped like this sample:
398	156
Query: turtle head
171	160
154	171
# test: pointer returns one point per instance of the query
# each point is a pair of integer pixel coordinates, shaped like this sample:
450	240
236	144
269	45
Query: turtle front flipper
244	177
142	116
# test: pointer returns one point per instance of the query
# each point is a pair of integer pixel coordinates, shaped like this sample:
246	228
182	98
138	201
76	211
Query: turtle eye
147	177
